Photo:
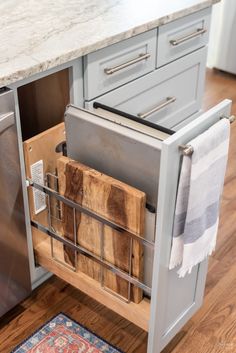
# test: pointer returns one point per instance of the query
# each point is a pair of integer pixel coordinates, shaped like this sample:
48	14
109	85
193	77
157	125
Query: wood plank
114	200
42	147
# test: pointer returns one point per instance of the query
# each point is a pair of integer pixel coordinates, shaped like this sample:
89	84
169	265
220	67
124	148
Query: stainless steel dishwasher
14	263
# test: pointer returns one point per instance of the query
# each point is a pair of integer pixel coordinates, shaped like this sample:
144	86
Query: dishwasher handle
6	120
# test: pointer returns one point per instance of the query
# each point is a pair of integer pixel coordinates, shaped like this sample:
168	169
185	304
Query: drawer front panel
183	36
166	96
176	300
118	64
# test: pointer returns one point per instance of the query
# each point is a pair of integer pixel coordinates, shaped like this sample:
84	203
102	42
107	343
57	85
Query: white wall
215	32
222	43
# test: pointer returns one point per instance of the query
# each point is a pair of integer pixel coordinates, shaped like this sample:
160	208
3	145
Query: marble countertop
38	35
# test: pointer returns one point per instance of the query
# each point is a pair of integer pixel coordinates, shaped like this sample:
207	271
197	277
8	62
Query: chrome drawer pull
198	32
168	101
112	70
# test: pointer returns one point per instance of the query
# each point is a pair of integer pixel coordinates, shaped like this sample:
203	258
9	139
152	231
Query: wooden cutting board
115	201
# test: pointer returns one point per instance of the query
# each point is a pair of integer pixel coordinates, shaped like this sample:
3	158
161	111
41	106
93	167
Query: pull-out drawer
111	67
166	96
182	36
149	160
116	204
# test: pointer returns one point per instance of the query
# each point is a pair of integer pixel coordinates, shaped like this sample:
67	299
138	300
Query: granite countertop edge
36	66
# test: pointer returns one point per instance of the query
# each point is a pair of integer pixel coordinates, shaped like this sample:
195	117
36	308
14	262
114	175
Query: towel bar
187	150
231	118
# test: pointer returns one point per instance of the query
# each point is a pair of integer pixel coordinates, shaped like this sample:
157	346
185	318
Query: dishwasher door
14	264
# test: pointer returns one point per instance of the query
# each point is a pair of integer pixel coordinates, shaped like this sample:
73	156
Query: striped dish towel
198	198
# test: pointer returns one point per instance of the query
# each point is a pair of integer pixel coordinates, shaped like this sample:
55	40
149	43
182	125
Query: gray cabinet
157	81
167	95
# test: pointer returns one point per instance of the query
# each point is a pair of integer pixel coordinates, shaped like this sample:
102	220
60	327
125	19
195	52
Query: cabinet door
175	300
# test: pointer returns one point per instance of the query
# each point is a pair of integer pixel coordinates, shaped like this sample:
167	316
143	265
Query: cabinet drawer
166	96
102	233
118	64
127	151
182	36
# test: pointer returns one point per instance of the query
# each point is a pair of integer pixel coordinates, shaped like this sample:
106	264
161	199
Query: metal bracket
231	118
186	150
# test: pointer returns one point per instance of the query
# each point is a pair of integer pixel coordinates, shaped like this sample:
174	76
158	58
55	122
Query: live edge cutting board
115	201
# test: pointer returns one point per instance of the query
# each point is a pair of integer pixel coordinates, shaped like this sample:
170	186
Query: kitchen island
144	60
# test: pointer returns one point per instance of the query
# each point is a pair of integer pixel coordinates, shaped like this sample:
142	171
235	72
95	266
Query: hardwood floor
211	330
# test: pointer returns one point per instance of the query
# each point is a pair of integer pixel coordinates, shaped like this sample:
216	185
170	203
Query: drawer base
136	313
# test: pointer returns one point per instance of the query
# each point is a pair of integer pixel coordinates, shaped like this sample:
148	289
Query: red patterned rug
63	335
